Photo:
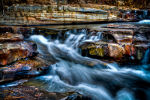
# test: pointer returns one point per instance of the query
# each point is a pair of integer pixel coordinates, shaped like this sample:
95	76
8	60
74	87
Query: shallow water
97	79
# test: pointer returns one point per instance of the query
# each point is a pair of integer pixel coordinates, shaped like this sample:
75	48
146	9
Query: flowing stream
87	76
94	78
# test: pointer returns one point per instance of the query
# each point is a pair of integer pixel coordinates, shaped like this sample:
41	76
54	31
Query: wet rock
24	69
6	29
12	48
33	93
121	26
10	37
10	52
141	36
118	41
140	51
77	96
121	36
28	74
103	49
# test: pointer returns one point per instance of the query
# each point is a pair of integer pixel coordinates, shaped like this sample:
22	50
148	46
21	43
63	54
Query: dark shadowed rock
6	29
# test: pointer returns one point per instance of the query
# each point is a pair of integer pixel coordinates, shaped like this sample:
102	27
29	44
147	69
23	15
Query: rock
103	49
26	68
120	42
10	37
10	52
15	58
28	74
77	96
12	48
6	29
140	51
121	26
34	93
120	36
116	51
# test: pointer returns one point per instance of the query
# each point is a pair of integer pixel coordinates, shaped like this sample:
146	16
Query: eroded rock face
44	13
104	50
24	69
12	48
10	52
119	42
15	58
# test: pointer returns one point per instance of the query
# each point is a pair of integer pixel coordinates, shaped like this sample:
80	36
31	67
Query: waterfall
57	51
90	77
146	57
145	13
144	22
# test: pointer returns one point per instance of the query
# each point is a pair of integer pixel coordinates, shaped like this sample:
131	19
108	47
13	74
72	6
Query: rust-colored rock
23	68
10	52
13	48
10	37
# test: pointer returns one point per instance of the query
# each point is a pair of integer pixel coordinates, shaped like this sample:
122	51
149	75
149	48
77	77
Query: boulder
13	48
15	58
25	68
10	52
103	49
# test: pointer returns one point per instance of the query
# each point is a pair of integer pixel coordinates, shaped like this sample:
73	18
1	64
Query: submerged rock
33	93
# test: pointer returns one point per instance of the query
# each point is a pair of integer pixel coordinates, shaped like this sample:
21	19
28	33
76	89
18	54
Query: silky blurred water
91	77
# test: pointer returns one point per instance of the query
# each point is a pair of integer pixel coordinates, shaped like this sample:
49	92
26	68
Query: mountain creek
109	61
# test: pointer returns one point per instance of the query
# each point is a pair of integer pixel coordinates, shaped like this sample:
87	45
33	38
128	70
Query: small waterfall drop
144	22
75	38
146	57
91	77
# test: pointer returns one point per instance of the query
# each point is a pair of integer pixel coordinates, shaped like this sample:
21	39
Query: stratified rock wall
133	3
25	12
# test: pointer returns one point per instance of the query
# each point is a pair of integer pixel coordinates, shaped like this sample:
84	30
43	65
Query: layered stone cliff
29	12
